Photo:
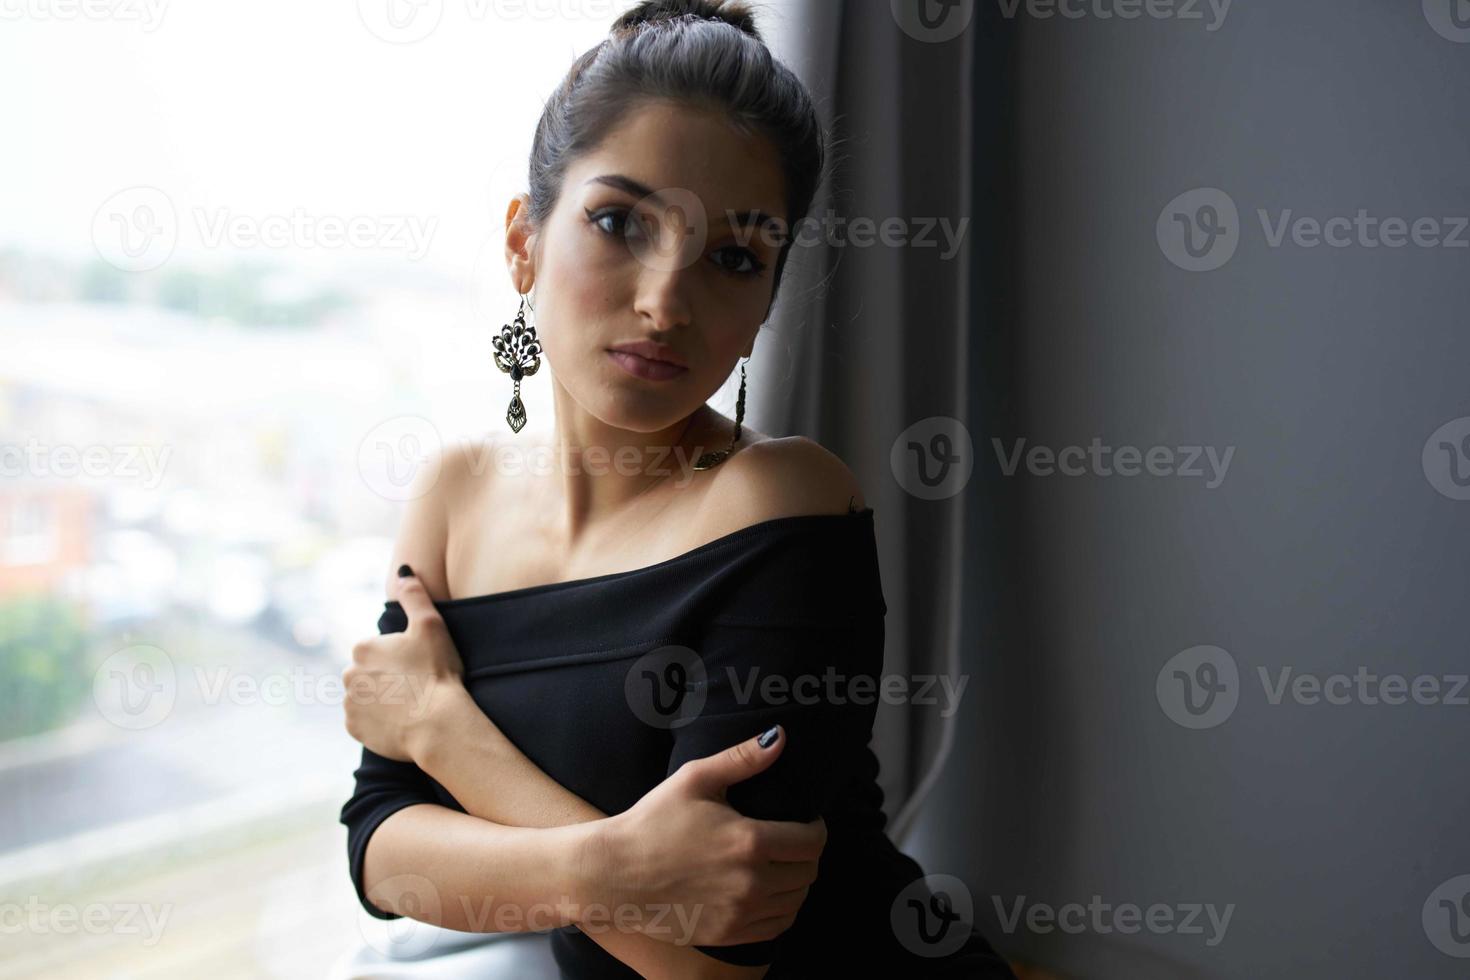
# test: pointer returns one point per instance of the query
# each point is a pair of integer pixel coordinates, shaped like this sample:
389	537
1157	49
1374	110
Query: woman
561	712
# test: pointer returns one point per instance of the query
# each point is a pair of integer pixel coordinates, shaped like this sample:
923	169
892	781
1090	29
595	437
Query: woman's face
641	246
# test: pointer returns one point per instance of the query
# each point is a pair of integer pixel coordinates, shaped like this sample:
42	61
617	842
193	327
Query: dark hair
705	53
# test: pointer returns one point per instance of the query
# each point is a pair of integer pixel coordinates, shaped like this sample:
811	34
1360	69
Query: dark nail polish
767	737
404	571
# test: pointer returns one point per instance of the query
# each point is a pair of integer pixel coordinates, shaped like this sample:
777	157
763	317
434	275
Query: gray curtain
866	340
1333	832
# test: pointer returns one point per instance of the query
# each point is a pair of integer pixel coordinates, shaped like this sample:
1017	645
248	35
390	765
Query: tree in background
43	664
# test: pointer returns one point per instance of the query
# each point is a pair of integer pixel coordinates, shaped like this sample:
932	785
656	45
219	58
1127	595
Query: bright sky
261	108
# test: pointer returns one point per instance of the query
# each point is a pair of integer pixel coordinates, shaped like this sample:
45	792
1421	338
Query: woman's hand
721	878
399	683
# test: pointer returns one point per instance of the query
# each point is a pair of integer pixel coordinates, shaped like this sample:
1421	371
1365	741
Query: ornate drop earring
518	354
715	457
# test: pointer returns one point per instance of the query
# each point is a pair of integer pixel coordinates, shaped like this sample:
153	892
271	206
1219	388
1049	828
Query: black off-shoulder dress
610	683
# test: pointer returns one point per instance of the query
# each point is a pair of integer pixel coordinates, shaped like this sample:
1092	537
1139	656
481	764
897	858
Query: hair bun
732	12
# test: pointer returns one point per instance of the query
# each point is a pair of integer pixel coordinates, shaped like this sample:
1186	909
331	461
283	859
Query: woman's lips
642	367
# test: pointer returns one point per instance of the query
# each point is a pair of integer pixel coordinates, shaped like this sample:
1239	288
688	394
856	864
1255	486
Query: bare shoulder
439	488
783	477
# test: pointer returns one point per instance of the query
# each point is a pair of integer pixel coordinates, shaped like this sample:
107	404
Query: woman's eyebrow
629	185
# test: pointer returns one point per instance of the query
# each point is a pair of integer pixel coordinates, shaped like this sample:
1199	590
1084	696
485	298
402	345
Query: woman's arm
463	744
524	796
449	869
734	880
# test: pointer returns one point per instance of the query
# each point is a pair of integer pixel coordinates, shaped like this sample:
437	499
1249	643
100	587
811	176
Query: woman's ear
519	242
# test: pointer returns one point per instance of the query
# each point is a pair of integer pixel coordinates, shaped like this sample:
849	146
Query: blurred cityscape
250	264
197	503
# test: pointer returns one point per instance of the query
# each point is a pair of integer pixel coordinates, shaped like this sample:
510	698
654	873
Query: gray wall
1326	548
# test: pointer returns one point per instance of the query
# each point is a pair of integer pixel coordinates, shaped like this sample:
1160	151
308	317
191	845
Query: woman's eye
740	261
615	223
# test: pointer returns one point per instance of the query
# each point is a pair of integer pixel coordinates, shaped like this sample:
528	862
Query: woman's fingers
414	598
712	775
787	903
785	876
763	929
788	840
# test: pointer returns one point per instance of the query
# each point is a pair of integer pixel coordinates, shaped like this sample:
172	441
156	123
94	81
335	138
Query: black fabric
790	597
